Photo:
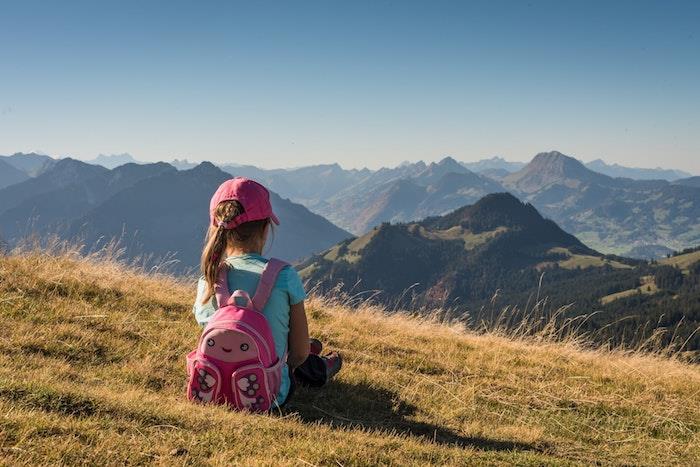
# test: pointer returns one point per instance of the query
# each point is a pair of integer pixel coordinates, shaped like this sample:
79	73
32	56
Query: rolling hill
501	251
463	256
92	372
690	181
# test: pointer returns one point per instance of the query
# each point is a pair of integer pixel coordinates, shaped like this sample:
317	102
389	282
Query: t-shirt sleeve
203	311
295	287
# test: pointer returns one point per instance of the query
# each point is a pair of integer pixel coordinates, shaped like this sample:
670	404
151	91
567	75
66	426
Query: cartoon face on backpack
235	361
228	346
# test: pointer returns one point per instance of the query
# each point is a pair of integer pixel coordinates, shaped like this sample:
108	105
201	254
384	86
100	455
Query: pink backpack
235	362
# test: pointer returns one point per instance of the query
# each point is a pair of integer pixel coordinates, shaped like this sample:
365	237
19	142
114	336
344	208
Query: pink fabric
267	283
235	361
252	195
262	294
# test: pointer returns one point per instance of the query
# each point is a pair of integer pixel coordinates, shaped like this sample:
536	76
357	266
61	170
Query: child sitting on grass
241	218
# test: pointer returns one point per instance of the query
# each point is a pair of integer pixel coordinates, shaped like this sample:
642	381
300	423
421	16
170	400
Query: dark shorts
311	373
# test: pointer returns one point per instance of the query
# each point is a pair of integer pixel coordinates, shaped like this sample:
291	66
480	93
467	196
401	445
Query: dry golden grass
93	373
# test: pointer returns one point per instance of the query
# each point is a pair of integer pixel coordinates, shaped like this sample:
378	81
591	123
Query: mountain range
154	210
432	235
501	252
31	164
409	192
640	218
495	166
609	214
636	173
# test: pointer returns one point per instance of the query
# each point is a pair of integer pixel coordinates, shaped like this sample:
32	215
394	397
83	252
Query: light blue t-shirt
244	274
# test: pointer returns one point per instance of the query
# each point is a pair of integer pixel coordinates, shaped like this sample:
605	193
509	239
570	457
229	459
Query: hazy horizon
363	84
376	167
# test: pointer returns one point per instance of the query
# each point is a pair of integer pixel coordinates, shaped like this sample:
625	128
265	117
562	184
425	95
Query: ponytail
212	257
218	238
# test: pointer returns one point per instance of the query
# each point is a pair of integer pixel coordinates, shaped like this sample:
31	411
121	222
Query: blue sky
359	83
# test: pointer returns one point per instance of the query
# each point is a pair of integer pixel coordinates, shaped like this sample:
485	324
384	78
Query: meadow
92	373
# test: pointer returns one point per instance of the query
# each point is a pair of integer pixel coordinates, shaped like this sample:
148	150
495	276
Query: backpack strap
267	282
221	291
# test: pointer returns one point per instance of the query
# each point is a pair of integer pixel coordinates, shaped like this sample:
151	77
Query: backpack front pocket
204	383
250	389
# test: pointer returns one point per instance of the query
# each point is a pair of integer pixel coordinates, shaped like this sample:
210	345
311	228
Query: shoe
334	362
315	346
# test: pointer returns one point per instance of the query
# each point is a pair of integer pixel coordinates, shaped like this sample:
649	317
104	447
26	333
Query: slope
411	192
463	256
690	181
500	251
32	164
53	211
63	173
9	175
637	173
167	214
609	214
307	185
93	371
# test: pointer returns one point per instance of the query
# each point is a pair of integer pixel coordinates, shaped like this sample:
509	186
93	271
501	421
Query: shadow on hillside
360	406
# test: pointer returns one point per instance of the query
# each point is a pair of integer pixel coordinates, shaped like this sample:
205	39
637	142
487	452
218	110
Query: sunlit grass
92	371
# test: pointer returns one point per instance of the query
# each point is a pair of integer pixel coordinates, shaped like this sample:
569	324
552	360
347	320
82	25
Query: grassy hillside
683	261
92	371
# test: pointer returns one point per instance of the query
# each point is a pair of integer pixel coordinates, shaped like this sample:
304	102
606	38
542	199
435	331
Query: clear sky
372	83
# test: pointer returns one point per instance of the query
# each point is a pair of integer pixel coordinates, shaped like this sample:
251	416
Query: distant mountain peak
69	162
112	161
499	200
437	170
555	156
496	163
447	160
552	168
447	256
448	164
492	211
206	168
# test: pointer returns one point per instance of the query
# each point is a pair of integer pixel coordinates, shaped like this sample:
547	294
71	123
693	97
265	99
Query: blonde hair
218	238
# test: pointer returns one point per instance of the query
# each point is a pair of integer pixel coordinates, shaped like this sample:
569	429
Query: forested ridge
495	259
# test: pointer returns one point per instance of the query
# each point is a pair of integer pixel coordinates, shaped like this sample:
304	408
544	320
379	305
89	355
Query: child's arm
298	336
203	311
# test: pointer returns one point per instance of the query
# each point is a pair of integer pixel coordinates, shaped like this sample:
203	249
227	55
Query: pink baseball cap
254	198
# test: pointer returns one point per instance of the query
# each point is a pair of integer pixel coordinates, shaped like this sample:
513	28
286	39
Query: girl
241	219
